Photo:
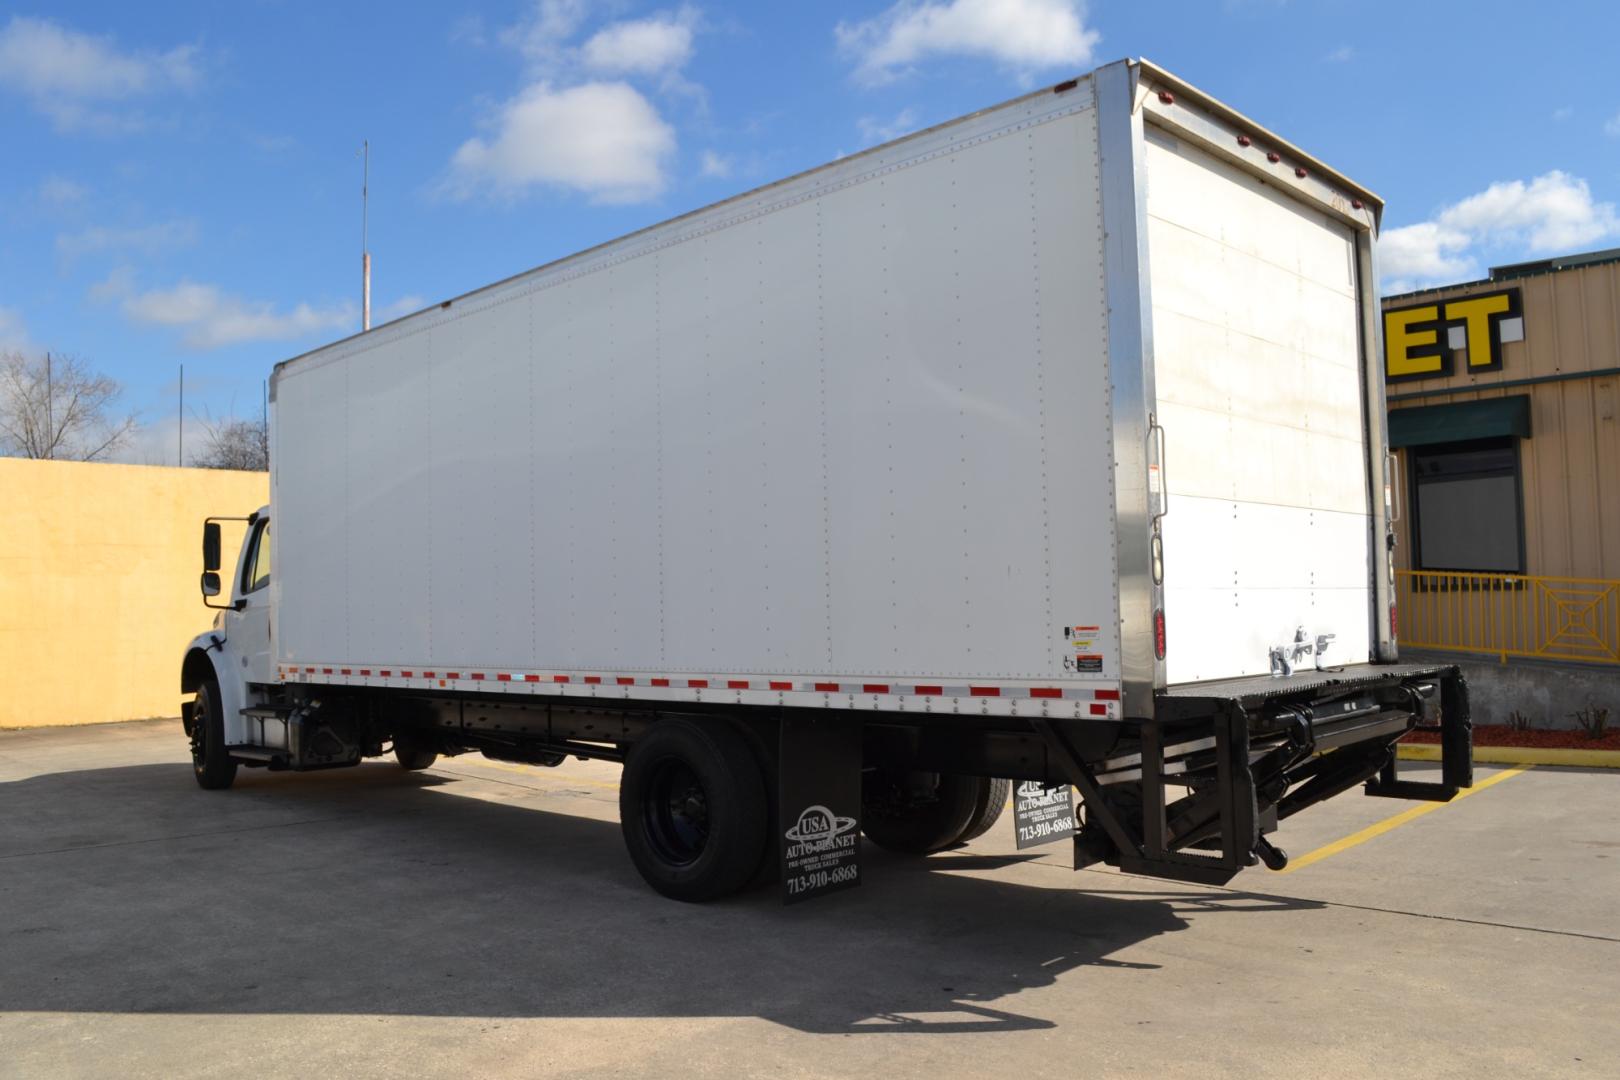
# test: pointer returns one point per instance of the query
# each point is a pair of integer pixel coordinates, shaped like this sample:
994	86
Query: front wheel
693	810
210	762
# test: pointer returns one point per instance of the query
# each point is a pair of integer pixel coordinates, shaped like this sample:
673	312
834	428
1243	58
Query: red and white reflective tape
1098	700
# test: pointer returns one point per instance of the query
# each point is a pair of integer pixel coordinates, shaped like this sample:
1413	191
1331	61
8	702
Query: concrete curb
1519	755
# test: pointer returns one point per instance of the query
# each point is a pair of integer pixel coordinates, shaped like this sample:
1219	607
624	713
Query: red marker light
1158	632
1274	157
1167	97
1243	140
1301	173
1355	204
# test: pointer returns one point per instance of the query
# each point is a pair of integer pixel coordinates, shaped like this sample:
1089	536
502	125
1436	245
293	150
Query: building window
1466	506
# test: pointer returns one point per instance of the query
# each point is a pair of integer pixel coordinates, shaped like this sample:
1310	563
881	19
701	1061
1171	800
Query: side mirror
210	581
211	552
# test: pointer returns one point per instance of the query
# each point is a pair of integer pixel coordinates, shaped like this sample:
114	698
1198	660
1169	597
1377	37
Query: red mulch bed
1502	735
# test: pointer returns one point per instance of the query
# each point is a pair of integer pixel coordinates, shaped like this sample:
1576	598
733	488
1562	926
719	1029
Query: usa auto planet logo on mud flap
819	829
1042	814
821	854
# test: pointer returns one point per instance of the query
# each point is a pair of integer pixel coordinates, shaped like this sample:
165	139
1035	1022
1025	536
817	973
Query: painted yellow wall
98	584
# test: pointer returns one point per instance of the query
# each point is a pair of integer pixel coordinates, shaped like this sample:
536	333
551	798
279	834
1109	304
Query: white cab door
247	629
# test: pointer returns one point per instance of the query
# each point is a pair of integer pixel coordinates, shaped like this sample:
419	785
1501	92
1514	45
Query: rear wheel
917	813
412	752
992	799
210	762
692	808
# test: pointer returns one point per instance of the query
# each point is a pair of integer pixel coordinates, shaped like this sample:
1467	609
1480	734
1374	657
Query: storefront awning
1428	424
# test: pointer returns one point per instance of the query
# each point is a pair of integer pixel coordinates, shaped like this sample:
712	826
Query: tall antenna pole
180	444
365	250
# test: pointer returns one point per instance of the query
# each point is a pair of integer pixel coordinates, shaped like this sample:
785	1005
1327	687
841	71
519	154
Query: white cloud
1563	112
652	46
118	284
13	332
600	138
1554	213
469	30
398	309
580	124
145	239
273	144
1611	127
875	130
1423	252
76	79
1343	54
541	36
1026	35
715	165
61	191
211	318
156	442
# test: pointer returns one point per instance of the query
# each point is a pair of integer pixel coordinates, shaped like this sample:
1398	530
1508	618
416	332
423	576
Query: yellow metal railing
1555	618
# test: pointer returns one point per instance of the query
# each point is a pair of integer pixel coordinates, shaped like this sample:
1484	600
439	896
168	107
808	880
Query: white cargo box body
877	436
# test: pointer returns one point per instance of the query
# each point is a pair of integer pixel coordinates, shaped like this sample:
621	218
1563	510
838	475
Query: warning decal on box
1080	653
1042	814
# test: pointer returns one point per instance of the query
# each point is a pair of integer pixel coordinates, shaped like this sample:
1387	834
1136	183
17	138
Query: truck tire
992	799
210	762
919	813
412	753
692	808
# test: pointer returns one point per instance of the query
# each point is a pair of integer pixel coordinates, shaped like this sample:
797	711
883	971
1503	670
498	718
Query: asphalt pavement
482	919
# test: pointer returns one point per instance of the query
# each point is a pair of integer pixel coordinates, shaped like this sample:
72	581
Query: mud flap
819	793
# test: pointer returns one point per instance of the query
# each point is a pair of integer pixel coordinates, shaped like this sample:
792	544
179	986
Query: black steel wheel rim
199	735
676	813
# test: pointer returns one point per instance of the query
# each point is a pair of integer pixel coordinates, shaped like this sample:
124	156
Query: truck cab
239	713
227	667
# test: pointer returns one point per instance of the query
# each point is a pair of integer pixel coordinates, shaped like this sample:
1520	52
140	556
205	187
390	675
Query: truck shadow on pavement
373	891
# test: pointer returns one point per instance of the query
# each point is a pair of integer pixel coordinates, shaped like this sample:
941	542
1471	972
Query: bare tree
57	407
234	444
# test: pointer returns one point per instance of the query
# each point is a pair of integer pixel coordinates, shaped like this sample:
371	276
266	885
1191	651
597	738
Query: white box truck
1045	446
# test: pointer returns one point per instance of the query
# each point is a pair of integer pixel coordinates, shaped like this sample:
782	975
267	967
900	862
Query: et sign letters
1419	340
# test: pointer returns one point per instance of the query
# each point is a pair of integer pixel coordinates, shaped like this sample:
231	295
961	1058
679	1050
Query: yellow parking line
1382	827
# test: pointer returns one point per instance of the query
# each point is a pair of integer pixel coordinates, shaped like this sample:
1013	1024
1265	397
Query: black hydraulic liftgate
1250	752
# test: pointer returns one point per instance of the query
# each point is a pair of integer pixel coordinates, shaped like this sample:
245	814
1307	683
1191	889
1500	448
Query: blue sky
182	180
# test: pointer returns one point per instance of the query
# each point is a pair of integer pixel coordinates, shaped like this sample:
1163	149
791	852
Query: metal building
1502	397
